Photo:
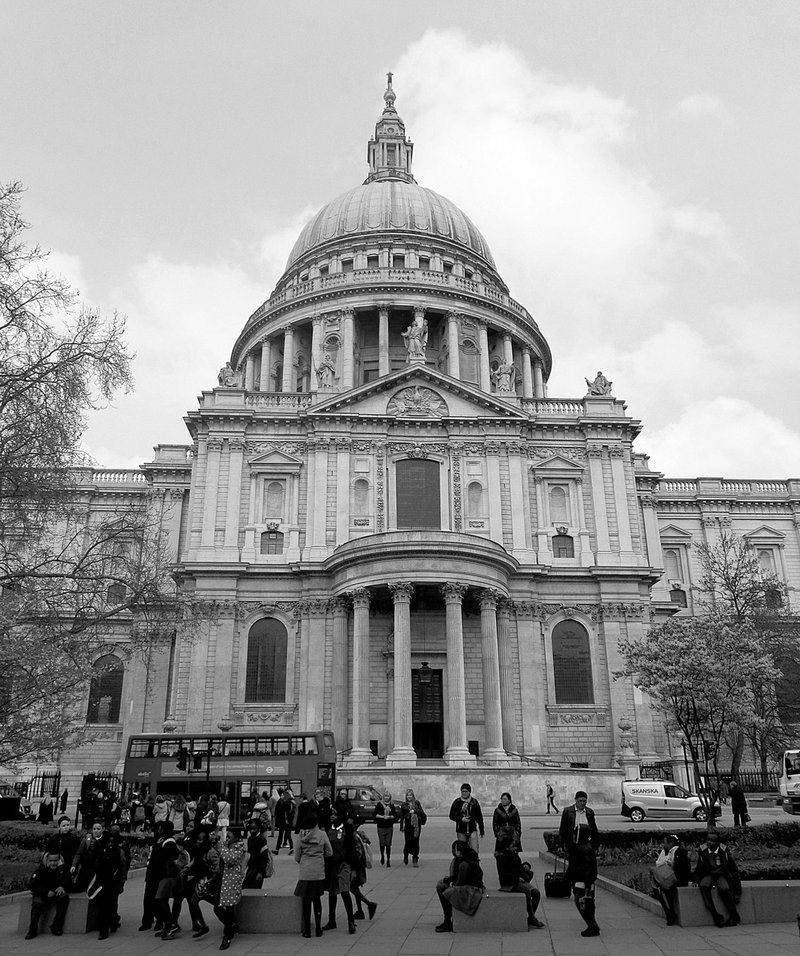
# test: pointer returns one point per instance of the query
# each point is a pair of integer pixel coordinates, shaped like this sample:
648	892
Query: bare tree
71	579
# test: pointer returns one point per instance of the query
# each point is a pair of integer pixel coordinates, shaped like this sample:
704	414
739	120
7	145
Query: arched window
475	499
563	546
673	565
272	542
105	691
265	677
572	664
767	561
361	497
273	499
558	505
418	493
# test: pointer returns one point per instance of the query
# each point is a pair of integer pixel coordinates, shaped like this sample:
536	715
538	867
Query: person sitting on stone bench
457	889
48	885
514	875
717	867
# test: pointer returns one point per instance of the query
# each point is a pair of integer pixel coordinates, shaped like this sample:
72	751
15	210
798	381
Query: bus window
280	746
297	745
215	746
233	747
170	748
327	741
249	746
311	745
264	747
142	747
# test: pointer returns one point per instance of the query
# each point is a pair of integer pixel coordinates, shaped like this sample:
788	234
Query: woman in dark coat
506	815
738	805
412	819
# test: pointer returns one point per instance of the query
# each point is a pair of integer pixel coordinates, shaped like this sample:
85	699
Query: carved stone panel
417	402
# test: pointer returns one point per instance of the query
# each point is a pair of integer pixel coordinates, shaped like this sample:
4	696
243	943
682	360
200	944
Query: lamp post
682	741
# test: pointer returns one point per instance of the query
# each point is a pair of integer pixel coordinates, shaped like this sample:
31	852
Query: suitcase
556	882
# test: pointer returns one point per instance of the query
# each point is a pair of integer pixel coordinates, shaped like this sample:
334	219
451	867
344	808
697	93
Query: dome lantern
389	152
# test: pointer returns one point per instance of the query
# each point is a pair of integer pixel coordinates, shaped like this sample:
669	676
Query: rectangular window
418	493
373	262
347	265
398	262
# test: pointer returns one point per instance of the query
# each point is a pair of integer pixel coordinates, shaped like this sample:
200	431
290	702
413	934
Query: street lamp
682	741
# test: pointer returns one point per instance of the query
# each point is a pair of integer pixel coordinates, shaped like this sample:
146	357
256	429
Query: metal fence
754	781
656	771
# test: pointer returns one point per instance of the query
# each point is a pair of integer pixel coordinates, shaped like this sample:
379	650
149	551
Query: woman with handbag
310	851
506	815
360	860
672	870
412	819
739	805
462	888
230	890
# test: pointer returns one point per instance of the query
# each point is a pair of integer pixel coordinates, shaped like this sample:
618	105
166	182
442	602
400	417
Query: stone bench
498	913
763	901
81	916
272	913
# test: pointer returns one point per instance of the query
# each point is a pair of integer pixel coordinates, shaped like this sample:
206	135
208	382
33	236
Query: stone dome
390	206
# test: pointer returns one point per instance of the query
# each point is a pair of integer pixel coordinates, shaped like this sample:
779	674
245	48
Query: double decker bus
240	766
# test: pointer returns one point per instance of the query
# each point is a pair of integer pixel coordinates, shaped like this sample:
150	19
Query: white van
660	799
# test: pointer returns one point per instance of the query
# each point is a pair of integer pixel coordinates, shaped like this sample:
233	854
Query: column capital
360	597
214	444
453	592
526	350
490	599
401	591
339	606
505	607
419	311
383	306
236	444
317	320
453	315
347	312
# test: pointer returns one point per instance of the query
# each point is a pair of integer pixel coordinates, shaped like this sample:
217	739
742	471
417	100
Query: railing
697	486
549	406
291	400
118	476
754	781
656	771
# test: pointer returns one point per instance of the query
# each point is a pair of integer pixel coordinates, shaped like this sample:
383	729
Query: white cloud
700	107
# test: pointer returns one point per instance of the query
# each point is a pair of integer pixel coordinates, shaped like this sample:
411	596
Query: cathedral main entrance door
427	714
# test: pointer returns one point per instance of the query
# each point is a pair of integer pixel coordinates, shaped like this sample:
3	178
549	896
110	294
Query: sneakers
225	944
31	934
591	931
445	927
536	923
351	927
371	907
170	933
359	915
719	920
331	924
200	931
415	861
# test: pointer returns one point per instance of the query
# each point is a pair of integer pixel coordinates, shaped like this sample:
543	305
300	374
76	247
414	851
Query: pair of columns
497	696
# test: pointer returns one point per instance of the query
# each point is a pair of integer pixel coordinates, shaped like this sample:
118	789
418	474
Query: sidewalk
408	910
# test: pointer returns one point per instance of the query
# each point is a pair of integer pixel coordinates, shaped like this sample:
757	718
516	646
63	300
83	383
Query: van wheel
700	815
637	815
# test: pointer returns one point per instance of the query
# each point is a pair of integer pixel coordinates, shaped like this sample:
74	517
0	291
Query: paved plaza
408	911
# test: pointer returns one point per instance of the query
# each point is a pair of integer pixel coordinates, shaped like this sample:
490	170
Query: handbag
664	875
556	883
208	888
746	817
367	851
465	899
269	865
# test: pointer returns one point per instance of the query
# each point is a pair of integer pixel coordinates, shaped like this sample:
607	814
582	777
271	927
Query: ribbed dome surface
390	205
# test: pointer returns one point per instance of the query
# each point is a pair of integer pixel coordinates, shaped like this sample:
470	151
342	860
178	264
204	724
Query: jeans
471	839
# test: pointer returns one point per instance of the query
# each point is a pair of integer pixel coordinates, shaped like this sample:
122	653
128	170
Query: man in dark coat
580	841
49	885
466	813
738	805
717	867
65	843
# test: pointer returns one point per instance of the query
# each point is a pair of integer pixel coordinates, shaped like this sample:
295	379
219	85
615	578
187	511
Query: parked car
363	799
662	800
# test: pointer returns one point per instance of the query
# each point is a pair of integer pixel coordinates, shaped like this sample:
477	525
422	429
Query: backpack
366	850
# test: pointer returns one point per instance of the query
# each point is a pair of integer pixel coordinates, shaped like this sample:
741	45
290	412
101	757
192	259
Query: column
339	675
384	365
266	358
457	753
316	351
486	372
527	374
288	359
452	344
508	349
235	452
587	558
626	555
249	372
493	751
342	490
319	541
315	674
538	378
655	554
360	755
213	451
223	665
618	690
604	555
532	676
402	755
506	663
348	347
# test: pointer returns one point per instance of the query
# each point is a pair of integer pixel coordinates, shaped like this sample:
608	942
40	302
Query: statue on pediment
505	377
416	336
600	385
326	370
227	377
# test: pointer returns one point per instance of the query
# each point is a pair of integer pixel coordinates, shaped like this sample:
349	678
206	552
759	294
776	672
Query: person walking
412	819
223	817
551	799
513	877
337	874
716	866
206	879
465	872
258	855
580	841
230	891
385	816
111	872
49	885
310	852
738	804
467	815
672	870
357	848
506	816
285	812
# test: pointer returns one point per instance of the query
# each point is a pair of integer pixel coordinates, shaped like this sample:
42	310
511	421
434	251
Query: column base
459	757
401	757
630	764
497	758
359	757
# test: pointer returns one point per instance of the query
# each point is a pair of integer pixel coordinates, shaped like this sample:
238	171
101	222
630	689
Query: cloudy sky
635	168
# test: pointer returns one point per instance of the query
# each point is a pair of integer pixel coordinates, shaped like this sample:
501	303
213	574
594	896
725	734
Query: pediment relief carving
417	401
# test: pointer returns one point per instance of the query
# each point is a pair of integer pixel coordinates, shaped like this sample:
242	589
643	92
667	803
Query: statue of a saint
600	385
504	377
416	336
227	378
326	371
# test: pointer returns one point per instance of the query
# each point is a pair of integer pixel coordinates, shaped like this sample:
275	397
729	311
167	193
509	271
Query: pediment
417	393
557	463
275	461
674	533
764	534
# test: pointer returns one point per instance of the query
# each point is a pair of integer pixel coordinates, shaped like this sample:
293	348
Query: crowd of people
196	856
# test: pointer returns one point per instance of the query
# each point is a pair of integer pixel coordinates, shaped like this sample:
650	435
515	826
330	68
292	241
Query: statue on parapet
228	377
326	371
600	385
416	336
505	377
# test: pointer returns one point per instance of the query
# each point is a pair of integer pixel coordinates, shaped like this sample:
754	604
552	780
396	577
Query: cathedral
401	537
